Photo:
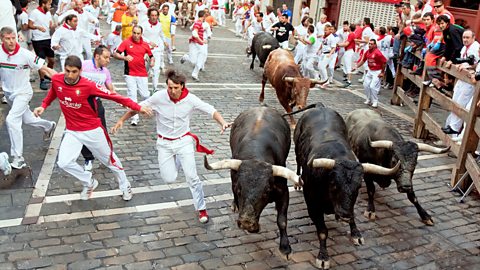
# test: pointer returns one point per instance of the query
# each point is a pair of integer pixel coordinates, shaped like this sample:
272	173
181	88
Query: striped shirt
198	25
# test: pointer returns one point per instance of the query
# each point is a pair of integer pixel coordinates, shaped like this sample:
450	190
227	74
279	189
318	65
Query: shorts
42	48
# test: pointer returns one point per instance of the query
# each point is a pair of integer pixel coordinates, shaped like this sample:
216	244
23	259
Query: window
468	4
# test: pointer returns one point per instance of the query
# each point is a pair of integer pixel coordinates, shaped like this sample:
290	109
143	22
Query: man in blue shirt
285	10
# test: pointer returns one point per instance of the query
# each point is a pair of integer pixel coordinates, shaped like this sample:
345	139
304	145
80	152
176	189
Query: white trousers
96	141
347	61
308	67
158	55
113	25
284	45
371	85
182	150
331	65
391	66
169	51
19	114
87	47
197	55
250	35
238	27
220	16
462	94
135	83
299	52
323	62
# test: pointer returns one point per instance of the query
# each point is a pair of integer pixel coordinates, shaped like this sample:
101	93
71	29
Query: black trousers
87	155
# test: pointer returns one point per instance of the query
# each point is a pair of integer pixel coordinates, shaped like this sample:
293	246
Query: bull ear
376	169
232	164
286	173
431	149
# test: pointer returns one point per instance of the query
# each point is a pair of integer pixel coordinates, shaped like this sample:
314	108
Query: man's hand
146	111
38	111
153	45
166	44
225	126
117	127
128	58
381	75
41	29
56	47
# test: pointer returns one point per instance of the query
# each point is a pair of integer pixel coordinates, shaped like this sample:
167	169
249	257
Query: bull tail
304	109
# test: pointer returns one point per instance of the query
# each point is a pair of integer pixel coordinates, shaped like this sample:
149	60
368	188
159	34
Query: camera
469	59
477	76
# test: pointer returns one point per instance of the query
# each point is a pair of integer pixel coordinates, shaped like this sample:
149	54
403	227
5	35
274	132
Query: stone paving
158	228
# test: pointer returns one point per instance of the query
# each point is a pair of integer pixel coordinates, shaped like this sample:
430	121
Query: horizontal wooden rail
417	80
406	99
436	129
461	75
447	103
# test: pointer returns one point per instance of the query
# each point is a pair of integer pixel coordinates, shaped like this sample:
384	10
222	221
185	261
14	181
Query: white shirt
23	19
67	38
65	7
329	43
472	50
427	8
198	8
84	20
153	33
368	33
384	46
40	19
256	26
173	119
6	15
320	28
207	30
142	11
305	11
113	41
269	20
15	71
301	31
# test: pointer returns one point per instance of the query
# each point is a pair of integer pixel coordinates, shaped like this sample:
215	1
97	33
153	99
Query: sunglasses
437	6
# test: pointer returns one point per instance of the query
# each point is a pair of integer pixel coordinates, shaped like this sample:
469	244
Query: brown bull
284	75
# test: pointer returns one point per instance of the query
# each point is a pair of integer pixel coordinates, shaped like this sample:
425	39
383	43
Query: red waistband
199	148
171	139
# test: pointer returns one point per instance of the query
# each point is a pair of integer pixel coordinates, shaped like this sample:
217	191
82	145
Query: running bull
262	44
260	142
284	75
375	141
330	172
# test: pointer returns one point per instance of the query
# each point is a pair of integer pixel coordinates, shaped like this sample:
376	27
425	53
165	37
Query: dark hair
150	10
119	27
69	18
419	4
270	9
73	61
201	13
305	18
366	20
346	23
429	14
139	27
175	77
443	18
310	20
311	28
353	27
382	30
304	4
99	50
260	14
441	1
374	41
285	15
41	2
395	30
23	3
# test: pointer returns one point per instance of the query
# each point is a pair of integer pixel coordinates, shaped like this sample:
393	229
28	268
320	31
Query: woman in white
301	33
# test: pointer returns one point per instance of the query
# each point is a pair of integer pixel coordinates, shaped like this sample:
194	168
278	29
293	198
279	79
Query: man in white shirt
84	19
320	27
173	109
326	54
200	6
254	27
367	34
41	23
95	10
22	19
114	39
270	19
15	65
153	35
7	17
142	11
65	39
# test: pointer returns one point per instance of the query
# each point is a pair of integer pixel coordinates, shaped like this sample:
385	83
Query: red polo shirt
137	50
375	59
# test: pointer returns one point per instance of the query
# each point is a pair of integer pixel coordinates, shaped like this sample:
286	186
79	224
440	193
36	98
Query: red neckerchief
182	95
380	37
466	50
25	10
17	48
147	4
116	33
80	11
69	27
41	10
152	24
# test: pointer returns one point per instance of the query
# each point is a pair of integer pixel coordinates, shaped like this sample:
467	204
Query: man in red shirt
439	9
348	56
84	127
376	67
134	49
197	51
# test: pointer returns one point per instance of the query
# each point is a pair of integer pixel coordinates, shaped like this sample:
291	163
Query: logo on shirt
59	89
68	99
67	102
77	92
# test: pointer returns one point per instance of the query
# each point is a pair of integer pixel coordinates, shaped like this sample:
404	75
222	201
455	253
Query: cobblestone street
45	224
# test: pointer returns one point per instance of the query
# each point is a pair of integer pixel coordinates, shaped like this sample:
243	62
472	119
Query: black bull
260	142
330	172
376	142
262	44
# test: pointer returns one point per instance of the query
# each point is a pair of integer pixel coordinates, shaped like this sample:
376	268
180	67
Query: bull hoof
369	215
358	241
285	254
428	222
322	264
234	207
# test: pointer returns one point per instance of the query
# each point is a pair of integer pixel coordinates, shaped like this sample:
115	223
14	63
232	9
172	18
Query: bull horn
382	144
265	47
285	173
318	81
376	169
326	163
432	149
232	164
288	79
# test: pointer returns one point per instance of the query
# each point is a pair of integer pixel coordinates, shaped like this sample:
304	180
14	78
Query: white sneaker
18	163
88	190
49	133
367	102
134	122
360	80
4	100
374	104
4	164
127	194
88	165
195	78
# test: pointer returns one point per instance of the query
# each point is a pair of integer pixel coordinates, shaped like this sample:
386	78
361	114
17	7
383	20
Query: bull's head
406	153
300	89
345	181
255	181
